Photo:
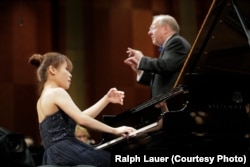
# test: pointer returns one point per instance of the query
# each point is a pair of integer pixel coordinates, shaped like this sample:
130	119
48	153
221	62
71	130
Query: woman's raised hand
115	96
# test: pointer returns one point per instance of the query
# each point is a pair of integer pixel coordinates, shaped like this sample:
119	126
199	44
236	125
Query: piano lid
222	46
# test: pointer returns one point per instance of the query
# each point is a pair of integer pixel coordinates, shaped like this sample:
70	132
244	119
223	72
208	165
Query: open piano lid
222	46
217	68
216	73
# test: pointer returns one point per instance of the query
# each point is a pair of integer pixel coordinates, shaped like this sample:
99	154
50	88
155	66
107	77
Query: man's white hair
167	20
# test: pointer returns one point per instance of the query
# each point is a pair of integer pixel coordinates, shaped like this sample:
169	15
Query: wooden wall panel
26	31
7	105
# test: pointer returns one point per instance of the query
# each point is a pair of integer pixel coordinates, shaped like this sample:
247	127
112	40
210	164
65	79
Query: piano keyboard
119	139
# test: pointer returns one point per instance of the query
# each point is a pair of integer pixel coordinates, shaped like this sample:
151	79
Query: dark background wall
95	35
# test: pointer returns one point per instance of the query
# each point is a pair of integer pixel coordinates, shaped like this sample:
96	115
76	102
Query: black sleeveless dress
61	146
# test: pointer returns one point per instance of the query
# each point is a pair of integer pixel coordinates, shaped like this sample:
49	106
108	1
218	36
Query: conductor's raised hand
132	62
134	53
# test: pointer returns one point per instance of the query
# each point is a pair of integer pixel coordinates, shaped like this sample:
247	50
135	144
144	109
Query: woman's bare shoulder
51	92
50	96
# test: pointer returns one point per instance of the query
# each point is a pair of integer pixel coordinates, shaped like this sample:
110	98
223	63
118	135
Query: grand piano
209	105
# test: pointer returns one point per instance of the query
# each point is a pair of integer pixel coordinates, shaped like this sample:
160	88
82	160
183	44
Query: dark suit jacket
161	73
